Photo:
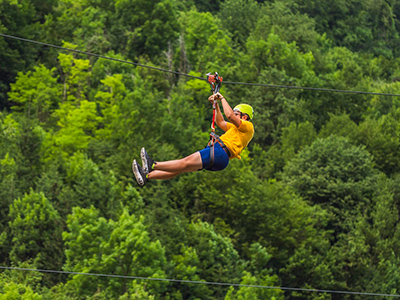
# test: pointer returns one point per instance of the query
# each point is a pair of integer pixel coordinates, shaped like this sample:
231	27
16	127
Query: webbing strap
215	83
214	114
212	153
215	138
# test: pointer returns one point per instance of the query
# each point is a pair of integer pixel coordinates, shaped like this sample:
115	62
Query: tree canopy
312	204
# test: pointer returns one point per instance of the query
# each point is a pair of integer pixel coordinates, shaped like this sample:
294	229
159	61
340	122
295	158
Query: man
238	133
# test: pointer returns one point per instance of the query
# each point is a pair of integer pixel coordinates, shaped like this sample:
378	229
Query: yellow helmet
245	109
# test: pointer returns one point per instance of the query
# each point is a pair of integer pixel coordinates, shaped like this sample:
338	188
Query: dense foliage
313	203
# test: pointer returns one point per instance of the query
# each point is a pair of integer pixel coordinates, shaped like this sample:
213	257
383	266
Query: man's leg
172	168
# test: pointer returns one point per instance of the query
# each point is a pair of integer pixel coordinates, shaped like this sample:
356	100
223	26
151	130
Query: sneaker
147	162
139	174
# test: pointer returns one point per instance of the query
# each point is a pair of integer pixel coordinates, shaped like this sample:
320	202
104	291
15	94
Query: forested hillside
314	202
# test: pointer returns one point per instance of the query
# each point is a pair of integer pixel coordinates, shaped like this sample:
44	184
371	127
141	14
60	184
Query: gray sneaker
139	174
147	162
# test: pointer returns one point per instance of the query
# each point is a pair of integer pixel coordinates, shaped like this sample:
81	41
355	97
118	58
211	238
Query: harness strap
212	152
216	138
211	143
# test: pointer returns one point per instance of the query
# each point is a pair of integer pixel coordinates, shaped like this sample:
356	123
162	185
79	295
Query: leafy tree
143	28
125	249
7	185
75	76
254	293
274	61
18	18
51	183
358	26
186	267
383	105
29	143
208	47
20	144
84	23
36	93
124	125
104	69
131	27
382	142
294	26
248	209
85	185
219	261
262	277
127	106
186	121
239	17
379	136
294	138
279	17
273	215
208	6
8	167
77	125
340	125
35	232
339	68
371	246
358	259
314	259
16	291
270	50
334	174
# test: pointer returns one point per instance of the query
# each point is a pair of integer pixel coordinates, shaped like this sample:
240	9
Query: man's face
239	114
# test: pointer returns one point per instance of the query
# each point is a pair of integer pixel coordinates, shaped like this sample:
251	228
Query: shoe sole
144	161
138	176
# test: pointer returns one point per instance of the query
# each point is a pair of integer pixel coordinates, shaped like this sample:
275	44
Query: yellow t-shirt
237	138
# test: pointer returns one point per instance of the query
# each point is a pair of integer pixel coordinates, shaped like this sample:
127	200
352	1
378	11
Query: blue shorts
221	159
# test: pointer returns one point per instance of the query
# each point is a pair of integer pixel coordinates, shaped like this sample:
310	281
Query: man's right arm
219	119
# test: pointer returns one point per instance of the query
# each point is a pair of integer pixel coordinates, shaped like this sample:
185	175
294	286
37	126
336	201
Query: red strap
213	118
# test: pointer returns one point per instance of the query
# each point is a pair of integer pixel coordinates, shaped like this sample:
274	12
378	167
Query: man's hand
216	96
219	96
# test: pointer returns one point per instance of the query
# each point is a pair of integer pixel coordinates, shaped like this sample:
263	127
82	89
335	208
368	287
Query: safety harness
215	82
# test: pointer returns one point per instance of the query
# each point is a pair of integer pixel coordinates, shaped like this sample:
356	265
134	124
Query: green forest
314	202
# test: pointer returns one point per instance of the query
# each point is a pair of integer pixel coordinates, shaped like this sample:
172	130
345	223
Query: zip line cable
312	88
202	282
197	77
100	56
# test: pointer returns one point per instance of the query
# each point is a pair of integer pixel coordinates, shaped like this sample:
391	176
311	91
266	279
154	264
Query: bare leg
170	169
157	174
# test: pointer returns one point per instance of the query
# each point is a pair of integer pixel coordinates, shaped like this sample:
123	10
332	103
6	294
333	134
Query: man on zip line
215	157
